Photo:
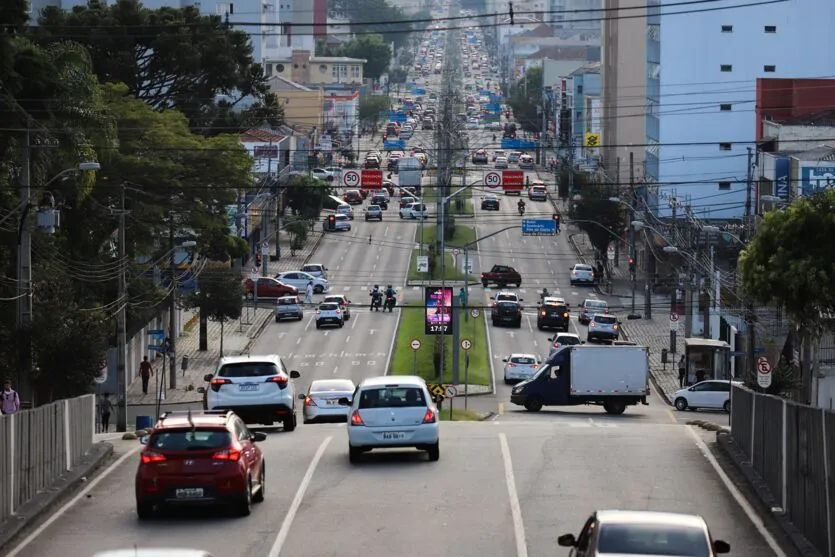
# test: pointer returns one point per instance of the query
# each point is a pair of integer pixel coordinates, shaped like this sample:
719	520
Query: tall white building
702	68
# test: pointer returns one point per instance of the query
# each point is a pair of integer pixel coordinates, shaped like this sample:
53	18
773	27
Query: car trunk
393	417
330	399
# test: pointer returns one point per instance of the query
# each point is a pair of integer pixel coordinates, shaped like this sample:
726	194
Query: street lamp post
632	265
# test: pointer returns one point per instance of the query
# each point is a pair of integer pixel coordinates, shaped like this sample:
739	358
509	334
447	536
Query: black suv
381	200
552	316
490	203
507	312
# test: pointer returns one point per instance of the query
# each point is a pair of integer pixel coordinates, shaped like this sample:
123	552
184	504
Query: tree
219	297
168	57
298	228
394	25
601	219
306	195
374	50
525	96
372	107
398	75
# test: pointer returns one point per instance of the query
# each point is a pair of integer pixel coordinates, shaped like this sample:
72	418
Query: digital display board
438	308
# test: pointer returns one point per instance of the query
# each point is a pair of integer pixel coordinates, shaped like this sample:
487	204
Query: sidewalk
653	333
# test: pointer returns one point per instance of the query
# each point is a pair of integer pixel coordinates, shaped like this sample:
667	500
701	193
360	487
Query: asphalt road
557	472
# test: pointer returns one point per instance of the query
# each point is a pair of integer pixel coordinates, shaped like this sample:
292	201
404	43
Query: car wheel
341	324
318	289
302	317
277	319
354	454
539	326
434	452
289	423
245	503
680	404
506	381
495	323
727	406
615	408
533	404
262	486
318	326
484	283
144	511
519	324
401	215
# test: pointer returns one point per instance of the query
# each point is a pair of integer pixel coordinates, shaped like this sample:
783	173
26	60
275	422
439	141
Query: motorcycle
376	302
521	210
391	301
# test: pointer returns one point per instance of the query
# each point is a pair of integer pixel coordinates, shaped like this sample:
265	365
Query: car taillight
519	311
356	419
616	327
338	311
150	456
309	401
591	324
535	366
542	313
511	365
429	417
318	312
217	382
282	381
565	314
232	455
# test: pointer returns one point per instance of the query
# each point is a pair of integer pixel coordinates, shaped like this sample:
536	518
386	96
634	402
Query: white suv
259	389
414	211
392	412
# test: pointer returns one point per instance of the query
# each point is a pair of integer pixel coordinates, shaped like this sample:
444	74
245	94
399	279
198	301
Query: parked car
713	394
267	287
300	279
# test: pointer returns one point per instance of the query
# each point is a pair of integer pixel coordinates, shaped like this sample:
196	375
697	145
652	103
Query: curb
727	447
489	416
39	506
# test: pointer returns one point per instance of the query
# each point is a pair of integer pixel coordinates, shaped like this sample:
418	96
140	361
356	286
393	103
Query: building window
727	28
579	89
279	68
269	69
724	146
770	69
724	185
725	107
726	68
355	71
770	28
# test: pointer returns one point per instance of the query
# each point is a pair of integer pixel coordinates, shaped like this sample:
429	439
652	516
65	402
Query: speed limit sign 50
351	178
492	179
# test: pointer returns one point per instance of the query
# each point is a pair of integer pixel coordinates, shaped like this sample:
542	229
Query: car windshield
189	439
605	319
391	397
328	307
653	539
248	369
596	304
330	385
523	360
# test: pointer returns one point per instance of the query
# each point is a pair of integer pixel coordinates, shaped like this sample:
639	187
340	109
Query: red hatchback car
194	458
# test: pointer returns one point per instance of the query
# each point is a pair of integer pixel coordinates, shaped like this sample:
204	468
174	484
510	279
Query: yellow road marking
501	408
672	416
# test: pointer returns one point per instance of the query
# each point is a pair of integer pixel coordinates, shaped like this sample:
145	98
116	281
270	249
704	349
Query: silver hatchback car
322	400
288	307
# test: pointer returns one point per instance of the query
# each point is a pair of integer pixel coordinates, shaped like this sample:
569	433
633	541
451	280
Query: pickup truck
501	275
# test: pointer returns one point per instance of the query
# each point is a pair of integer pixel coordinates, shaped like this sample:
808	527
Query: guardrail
790	446
40	445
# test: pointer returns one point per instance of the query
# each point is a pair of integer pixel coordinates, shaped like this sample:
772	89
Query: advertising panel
816	176
438	310
782	171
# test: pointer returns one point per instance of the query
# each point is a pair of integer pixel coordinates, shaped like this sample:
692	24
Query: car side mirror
302	396
551	339
208	377
259	436
295	374
504	360
692	389
344	401
144	439
201	390
492	297
582	342
720	546
567	540
521	299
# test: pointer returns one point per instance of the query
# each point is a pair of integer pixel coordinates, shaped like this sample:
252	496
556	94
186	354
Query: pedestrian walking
9	399
462	297
106	408
145	371
308	296
682	372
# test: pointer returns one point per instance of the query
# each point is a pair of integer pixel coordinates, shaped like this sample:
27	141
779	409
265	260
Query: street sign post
674	320
763	372
415	344
493	180
539	227
450	391
351	179
466	344
610	253
422	263
475	313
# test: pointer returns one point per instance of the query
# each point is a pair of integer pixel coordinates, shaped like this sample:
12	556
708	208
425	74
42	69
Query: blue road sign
394	144
157	332
156	348
419	91
539	227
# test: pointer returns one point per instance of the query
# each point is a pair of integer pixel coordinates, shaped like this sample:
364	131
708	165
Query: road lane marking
348	339
299	340
81	495
513	495
672	415
335	369
736	494
284	531
353	323
501	408
309	323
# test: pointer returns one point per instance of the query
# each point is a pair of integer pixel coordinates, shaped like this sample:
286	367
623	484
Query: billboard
782	177
816	176
437	303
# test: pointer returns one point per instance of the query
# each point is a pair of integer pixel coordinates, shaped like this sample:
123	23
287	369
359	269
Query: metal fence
40	445
790	446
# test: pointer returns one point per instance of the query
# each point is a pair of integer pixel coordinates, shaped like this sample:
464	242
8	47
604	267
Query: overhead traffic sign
539	227
466	344
415	344
763	372
351	179
513	180
492	180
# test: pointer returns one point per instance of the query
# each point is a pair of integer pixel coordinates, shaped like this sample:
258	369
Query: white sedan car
321	401
520	367
713	394
392	412
299	279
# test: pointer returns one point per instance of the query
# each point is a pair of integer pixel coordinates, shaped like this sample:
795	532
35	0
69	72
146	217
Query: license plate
332	403
394	435
189	493
247	387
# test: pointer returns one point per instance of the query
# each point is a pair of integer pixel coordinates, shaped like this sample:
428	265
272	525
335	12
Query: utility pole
674	295
171	353
121	326
24	277
749	186
709	296
264	251
632	267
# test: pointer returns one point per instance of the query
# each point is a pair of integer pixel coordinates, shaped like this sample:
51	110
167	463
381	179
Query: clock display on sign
438	310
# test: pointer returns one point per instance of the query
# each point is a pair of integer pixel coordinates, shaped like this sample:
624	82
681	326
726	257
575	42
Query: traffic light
631	264
331	222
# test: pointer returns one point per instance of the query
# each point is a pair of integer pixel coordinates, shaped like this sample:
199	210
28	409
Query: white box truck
610	376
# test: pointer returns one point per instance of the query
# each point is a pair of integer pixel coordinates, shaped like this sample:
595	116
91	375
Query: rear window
605	319
190	439
653	539
596	304
392	397
334	300
568	341
331	385
287	302
523	361
328	307
343	218
248	369
582	268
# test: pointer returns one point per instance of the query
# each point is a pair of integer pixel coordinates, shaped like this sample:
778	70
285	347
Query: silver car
288	307
321	401
602	328
519	367
581	274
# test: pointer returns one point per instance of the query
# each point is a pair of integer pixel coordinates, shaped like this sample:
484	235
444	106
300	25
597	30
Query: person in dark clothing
682	372
145	371
106	409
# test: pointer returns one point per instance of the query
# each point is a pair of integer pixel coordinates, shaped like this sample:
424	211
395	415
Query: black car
552	316
480	157
507	312
380	200
490	203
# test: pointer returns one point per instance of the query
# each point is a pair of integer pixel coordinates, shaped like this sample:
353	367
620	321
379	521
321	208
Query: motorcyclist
390	292
376	295
390	298
521	206
544	294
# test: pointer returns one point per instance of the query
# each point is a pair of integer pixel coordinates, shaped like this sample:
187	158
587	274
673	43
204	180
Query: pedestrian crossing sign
592	140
